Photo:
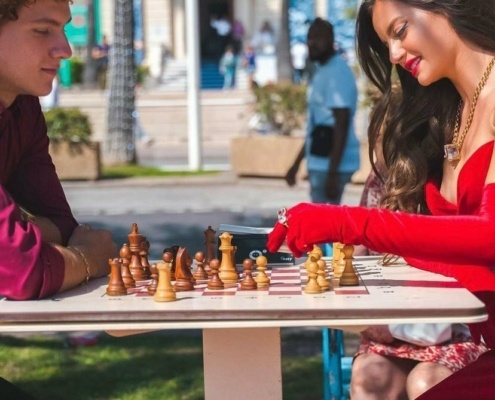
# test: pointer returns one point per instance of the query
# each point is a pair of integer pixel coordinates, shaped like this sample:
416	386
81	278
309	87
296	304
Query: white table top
395	294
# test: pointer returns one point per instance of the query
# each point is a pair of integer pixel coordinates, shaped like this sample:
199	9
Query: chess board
399	293
284	281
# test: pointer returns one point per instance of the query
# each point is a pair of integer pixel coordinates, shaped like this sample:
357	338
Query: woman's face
421	42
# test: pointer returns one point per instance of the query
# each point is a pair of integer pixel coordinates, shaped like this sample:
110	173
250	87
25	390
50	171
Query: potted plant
276	135
74	154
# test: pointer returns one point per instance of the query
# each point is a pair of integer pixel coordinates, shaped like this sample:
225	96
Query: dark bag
321	140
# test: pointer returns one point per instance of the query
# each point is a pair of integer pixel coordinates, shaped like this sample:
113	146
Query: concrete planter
267	156
76	162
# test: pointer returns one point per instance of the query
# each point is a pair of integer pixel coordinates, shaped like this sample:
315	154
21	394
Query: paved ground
178	210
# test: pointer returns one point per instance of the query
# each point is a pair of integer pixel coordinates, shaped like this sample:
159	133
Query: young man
42	249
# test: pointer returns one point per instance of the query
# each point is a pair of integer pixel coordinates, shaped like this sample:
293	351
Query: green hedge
69	125
282	105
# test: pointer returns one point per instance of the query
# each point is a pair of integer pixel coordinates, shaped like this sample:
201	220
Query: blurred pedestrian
249	64
100	53
227	67
299	55
331	147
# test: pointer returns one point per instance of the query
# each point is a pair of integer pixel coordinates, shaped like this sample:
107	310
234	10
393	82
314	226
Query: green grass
132	171
148	366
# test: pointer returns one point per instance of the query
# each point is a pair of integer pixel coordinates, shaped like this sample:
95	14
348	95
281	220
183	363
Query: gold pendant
452	152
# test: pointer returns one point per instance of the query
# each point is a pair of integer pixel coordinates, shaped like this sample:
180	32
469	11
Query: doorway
213	41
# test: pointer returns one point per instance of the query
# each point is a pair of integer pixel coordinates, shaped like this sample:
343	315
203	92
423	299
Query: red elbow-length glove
460	239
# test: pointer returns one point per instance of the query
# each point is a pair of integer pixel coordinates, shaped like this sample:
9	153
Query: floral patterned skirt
456	354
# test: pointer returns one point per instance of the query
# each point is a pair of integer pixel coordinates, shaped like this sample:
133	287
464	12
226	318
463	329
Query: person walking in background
264	40
238	33
228	64
331	148
100	53
249	64
438	209
299	55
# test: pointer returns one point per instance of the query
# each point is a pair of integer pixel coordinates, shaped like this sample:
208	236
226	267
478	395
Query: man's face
31	49
319	43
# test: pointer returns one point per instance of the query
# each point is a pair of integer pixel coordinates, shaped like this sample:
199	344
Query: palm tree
89	75
284	62
120	144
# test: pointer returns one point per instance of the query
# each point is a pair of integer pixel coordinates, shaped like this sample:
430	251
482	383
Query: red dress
455	354
477	380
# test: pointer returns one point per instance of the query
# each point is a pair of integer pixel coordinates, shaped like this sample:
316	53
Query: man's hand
290	177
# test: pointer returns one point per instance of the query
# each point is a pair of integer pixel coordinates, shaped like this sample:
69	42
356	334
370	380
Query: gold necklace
453	151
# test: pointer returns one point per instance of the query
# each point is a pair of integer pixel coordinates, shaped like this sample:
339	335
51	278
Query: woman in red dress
439	203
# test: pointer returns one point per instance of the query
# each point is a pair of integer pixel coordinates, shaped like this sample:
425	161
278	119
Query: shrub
68	125
142	71
282	105
76	69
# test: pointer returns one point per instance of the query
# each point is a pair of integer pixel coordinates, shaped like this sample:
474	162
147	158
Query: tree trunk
89	75
120	144
284	62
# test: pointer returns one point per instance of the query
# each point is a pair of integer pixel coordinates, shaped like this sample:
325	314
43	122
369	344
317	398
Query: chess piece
172	250
261	279
312	286
248	283
154	279
232	255
125	256
215	282
209	242
135	240
228	273
164	290
336	253
184	280
116	285
340	264
145	250
349	276
322	275
317	252
200	273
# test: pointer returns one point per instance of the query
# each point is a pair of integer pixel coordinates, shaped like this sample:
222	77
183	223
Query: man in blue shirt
332	101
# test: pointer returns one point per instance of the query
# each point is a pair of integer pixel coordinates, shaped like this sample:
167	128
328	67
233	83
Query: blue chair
336	367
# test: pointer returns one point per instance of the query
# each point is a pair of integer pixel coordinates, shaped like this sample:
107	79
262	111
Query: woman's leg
475	381
424	376
375	377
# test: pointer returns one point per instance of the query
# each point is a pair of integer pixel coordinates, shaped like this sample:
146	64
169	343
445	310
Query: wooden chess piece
215	283
340	263
209	242
200	273
248	283
262	279
349	276
145	251
336	253
312	286
228	273
164	290
317	252
322	275
184	280
154	279
116	285
125	256
135	239
172	250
